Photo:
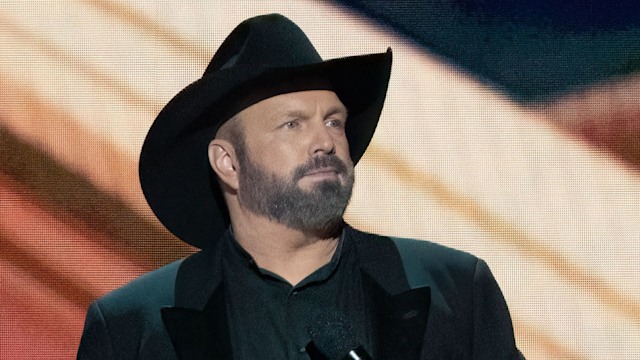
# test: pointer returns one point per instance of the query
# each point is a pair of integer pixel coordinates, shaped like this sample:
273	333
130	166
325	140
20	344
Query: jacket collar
197	323
399	314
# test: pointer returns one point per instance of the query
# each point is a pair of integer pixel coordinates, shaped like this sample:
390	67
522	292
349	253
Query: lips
329	165
325	170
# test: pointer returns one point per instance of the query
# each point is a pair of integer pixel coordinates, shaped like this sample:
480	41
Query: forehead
299	104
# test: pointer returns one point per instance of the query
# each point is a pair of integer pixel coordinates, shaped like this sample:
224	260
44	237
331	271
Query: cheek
342	148
279	159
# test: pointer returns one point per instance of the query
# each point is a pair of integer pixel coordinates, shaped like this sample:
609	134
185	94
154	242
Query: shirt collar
242	258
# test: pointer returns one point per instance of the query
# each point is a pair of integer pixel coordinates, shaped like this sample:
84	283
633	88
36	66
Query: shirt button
294	293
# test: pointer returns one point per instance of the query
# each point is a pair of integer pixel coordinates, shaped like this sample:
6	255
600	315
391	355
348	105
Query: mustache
327	161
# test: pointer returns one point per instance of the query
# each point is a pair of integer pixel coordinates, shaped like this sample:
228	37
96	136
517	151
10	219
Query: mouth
324	170
323	173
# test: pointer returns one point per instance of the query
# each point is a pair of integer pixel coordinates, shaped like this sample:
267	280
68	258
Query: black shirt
271	319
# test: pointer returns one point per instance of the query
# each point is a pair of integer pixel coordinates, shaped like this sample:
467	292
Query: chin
330	229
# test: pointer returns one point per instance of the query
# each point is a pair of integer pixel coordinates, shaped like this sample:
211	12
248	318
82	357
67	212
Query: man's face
294	165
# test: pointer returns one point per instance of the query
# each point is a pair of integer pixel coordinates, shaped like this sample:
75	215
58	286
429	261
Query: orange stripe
35	322
74	200
606	115
543	343
55	131
34	267
69	249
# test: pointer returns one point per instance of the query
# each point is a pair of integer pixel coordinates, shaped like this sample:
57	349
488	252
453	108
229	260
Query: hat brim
174	169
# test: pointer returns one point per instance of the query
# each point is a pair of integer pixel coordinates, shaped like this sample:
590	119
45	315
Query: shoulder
151	290
467	305
424	262
117	323
429	252
414	250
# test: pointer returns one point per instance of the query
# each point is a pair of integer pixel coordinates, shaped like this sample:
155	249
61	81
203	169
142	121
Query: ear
222	159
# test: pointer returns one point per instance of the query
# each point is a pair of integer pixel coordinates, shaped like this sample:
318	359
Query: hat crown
264	41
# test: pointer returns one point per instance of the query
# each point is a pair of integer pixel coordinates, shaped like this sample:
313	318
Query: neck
290	253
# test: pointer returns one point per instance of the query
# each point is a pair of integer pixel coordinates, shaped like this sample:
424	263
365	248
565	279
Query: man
254	164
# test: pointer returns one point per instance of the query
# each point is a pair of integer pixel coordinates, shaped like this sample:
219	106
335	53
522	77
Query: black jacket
427	302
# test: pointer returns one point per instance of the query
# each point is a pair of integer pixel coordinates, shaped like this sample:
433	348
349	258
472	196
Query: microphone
332	338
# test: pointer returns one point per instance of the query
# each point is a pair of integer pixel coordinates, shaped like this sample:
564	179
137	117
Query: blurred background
511	130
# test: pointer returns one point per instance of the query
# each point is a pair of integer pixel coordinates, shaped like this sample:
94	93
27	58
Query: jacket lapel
398	321
398	313
197	324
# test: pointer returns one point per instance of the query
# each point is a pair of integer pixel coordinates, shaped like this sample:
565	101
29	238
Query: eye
290	124
335	123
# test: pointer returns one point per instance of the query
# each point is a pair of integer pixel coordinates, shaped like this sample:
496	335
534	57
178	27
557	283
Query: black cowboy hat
262	57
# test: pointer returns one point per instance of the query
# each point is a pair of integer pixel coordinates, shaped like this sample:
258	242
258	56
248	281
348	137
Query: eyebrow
331	111
337	110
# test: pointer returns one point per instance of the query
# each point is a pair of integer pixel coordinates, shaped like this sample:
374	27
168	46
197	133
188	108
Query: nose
322	141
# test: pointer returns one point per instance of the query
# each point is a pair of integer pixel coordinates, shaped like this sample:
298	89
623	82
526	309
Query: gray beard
316	212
